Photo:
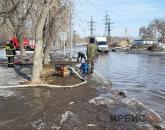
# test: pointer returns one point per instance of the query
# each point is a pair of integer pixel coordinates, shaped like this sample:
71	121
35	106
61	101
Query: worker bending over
81	56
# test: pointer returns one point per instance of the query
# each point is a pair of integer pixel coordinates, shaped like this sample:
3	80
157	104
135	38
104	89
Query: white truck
102	45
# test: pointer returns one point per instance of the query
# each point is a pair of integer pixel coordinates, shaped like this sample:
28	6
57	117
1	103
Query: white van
102	45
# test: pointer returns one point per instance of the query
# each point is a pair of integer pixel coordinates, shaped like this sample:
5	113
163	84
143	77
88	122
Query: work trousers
10	61
91	66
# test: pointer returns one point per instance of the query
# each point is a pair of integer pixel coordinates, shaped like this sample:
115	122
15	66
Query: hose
43	85
73	70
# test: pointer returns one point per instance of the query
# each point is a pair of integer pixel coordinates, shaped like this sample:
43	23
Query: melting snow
65	116
101	101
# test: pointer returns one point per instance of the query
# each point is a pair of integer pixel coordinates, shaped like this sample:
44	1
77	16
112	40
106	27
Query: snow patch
55	127
101	100
130	102
91	125
65	116
39	125
71	103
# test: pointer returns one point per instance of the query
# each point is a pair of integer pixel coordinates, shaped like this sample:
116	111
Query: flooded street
82	65
142	76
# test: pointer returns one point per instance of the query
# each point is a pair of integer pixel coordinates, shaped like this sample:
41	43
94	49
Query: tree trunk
47	52
38	52
37	61
22	49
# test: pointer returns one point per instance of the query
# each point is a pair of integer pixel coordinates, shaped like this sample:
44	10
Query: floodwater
141	76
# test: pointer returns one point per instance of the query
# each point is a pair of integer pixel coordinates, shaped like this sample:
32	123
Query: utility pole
126	31
156	31
108	27
109	30
84	39
92	24
106	24
84	33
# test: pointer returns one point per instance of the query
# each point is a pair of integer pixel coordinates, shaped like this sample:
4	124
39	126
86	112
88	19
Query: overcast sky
130	14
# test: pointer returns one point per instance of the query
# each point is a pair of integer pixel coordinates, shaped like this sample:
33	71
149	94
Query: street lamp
70	32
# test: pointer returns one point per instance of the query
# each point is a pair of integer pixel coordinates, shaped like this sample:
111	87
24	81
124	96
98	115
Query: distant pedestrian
81	56
91	54
10	53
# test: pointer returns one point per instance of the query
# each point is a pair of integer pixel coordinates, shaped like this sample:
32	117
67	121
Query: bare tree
154	31
45	6
142	31
147	33
41	14
161	30
14	14
57	22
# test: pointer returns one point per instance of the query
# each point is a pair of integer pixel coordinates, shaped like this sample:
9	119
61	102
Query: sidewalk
12	76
